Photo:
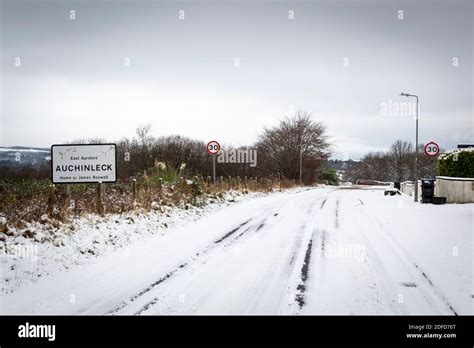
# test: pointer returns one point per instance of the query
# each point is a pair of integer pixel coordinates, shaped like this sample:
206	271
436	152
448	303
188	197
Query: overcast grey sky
228	68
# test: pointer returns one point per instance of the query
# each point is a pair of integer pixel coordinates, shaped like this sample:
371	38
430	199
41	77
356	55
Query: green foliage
330	176
167	174
458	163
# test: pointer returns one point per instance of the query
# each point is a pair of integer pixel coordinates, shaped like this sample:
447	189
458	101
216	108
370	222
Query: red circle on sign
431	149
213	147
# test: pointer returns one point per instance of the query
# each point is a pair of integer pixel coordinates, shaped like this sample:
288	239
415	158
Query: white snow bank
47	247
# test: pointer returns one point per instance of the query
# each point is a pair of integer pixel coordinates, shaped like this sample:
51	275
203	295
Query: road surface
312	251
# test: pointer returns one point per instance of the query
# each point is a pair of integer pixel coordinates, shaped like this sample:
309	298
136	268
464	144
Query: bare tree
280	147
401	153
397	164
145	140
374	166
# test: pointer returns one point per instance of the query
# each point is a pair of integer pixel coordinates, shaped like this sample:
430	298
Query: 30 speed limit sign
431	149
213	147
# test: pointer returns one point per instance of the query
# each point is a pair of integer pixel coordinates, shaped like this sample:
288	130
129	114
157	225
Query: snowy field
319	250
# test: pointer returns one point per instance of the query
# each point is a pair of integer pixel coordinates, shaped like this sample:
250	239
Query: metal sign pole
416	154
214	168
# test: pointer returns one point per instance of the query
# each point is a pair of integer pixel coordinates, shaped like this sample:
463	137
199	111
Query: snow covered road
314	251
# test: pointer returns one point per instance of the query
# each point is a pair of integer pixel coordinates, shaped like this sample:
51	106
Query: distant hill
22	156
339	165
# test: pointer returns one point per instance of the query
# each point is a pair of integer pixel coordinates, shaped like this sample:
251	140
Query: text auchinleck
83	167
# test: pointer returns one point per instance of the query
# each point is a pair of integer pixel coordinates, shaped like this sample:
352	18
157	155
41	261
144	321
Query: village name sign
83	163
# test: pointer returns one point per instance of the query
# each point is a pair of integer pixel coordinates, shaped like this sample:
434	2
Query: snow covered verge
50	246
429	244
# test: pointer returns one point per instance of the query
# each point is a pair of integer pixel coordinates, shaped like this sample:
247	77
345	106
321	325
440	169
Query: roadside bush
160	173
458	163
330	176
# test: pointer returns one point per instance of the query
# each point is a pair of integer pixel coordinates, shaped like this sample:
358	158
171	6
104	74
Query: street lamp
416	144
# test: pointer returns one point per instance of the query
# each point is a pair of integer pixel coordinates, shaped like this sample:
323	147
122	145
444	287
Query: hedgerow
458	163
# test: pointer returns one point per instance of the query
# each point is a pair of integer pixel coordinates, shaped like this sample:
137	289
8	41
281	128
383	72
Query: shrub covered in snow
458	163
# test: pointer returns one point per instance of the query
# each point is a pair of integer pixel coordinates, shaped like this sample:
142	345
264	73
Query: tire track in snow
299	237
429	292
319	232
168	275
323	203
380	272
300	284
310	208
343	264
323	242
147	306
142	292
336	221
227	235
436	291
203	252
338	281
238	236
232	236
262	224
301	287
297	245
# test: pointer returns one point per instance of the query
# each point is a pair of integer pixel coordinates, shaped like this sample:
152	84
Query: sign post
213	148
83	163
214	169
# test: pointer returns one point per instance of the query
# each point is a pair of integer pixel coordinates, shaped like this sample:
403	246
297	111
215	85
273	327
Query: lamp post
416	144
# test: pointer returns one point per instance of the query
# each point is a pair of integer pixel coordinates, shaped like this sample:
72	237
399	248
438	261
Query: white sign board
83	163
